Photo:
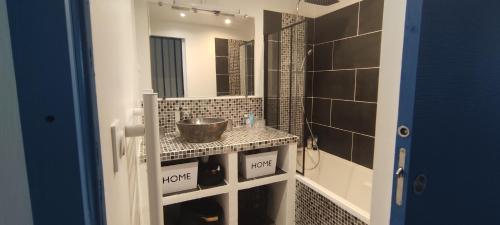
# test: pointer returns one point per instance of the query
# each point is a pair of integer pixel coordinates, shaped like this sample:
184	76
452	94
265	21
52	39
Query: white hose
314	140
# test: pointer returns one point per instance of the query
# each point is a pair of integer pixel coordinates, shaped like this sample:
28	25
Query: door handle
400	176
399	172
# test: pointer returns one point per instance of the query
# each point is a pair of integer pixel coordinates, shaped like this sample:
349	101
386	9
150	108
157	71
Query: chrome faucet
181	115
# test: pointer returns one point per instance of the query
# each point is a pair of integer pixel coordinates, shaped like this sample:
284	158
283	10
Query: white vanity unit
281	184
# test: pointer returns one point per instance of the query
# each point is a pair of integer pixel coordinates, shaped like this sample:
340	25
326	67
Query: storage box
179	176
258	164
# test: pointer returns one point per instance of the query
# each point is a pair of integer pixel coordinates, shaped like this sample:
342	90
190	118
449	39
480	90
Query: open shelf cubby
201	191
178	213
281	186
263	205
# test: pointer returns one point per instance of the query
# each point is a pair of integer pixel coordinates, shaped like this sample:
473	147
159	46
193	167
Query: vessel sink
201	130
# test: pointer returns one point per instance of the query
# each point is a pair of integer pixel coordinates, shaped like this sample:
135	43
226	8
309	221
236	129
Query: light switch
117	143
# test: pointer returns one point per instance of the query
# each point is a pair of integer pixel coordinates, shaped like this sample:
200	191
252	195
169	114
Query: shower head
309	52
322	2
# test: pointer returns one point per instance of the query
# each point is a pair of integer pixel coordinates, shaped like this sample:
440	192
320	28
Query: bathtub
346	184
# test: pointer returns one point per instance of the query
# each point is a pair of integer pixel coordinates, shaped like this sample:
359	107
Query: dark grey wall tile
221	47
272	21
370	16
323	56
334	141
271	110
321	111
276	36
250	67
221	65
338	24
367	85
273	84
250	50
334	84
354	116
307	108
310	31
362	151
357	52
250	85
273	55
309	84
222	83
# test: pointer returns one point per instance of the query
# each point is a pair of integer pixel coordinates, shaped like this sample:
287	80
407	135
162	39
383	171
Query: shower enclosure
285	79
288	106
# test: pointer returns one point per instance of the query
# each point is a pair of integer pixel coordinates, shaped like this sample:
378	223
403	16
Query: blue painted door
450	105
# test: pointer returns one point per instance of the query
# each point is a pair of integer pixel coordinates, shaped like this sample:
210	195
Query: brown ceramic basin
201	130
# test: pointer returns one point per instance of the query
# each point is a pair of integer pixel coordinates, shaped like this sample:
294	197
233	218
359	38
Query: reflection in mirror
200	52
166	66
247	74
234	67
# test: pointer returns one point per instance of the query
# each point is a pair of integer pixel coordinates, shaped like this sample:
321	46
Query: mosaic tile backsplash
227	108
313	208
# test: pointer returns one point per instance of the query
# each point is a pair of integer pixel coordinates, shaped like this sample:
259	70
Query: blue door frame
407	100
52	52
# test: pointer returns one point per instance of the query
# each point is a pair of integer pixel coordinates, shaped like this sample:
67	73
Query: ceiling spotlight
227	21
183	14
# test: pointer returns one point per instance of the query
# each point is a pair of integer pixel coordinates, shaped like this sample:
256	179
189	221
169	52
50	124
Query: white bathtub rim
336	199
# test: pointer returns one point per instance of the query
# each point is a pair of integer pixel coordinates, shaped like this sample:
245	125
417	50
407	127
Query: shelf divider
279	176
200	192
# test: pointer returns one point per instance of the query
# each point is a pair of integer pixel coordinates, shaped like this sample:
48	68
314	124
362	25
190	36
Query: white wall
15	205
142	42
199	42
387	109
118	87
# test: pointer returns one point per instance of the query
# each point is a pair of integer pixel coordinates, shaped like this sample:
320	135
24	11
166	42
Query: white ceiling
248	6
166	13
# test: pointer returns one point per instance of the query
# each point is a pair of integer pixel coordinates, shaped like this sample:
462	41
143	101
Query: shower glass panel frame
284	83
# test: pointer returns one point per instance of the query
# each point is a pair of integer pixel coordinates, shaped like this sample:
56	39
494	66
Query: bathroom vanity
228	151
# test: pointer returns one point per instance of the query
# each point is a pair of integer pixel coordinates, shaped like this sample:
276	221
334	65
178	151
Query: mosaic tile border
313	208
173	147
232	108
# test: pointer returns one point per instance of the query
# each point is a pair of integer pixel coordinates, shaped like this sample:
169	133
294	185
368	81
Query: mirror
197	51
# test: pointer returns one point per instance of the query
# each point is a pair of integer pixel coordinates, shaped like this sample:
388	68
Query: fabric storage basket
179	176
258	164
